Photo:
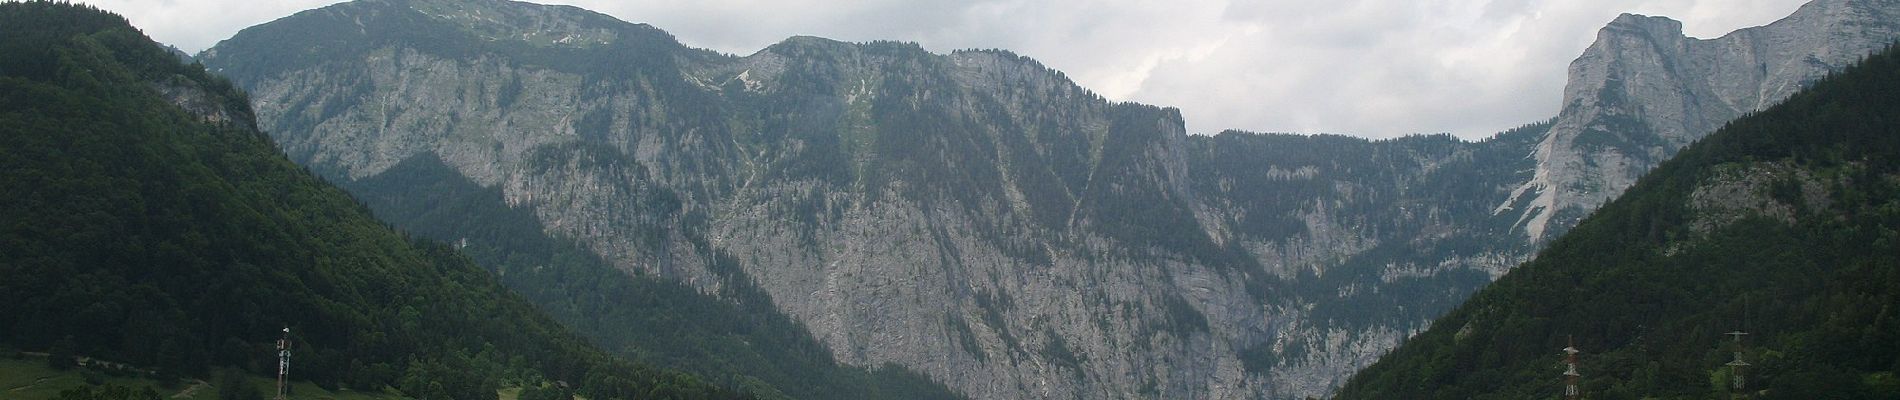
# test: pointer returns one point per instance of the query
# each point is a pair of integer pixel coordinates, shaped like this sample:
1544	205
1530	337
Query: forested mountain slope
1783	224
146	220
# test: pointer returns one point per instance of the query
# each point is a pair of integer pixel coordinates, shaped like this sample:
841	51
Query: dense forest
148	221
1783	225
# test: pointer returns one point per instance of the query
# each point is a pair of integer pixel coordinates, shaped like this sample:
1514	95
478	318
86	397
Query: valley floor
27	377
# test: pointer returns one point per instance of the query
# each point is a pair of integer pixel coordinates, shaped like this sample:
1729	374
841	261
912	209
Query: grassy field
29	378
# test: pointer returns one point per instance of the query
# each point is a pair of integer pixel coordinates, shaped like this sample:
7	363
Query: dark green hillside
1784	224
146	220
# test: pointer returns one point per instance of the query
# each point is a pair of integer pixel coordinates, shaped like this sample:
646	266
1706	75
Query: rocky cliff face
1644	90
973	216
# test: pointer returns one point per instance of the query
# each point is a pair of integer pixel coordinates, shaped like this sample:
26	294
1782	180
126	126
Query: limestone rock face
1644	90
976	216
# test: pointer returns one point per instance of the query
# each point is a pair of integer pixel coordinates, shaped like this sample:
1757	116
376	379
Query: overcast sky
1372	68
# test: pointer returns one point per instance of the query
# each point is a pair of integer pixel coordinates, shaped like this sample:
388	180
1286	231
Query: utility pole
1570	370
283	363
1738	384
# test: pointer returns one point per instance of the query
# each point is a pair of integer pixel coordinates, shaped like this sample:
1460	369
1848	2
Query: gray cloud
1375	68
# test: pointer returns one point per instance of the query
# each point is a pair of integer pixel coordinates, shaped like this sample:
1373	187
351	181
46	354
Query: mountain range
976	217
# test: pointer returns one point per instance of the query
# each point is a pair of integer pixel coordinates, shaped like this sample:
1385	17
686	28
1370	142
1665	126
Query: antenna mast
283	362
